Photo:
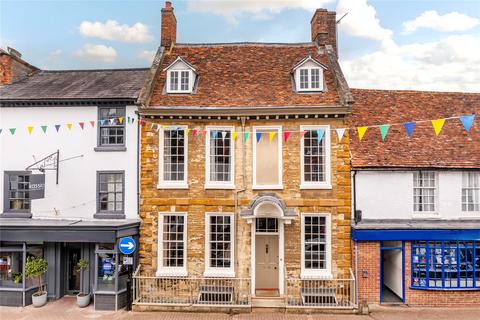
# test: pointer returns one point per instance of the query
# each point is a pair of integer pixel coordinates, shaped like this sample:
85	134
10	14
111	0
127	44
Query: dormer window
180	77
309	75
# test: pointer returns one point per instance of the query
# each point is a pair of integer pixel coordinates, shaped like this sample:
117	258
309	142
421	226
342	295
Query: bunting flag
259	136
69	126
320	134
340	133
187	131
204	133
409	126
234	135
44	128
301	134
361	132
224	135
12	131
1	131
214	134
30	129
102	122
112	121
438	125
120	120
57	127
271	135
195	131
92	123
81	124
245	136
467	121
286	135
384	130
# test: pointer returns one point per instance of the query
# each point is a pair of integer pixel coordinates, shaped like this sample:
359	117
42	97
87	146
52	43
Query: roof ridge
414	91
94	70
246	43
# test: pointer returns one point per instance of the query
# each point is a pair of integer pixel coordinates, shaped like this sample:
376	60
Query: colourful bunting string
361	132
92	123
301	134
467	121
69	126
384	130
245	136
234	135
409	126
1	131
187	131
340	133
195	131
120	120
286	135
214	134
224	135
438	125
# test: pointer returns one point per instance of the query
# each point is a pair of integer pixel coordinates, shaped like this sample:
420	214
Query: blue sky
376	49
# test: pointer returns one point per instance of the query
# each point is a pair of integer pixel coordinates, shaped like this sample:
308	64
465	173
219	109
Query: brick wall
12	70
369	287
196	201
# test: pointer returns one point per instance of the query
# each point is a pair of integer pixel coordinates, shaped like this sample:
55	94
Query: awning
62	230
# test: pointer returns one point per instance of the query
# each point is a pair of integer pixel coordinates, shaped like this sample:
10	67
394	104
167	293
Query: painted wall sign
37	186
127	245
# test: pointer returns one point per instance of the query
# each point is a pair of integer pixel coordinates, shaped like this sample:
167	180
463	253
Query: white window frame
327	184
279	185
171	271
179	90
426	214
219	184
476	173
166	184
309	82
215	271
317	273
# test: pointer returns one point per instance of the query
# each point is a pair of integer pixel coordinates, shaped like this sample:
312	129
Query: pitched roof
243	75
453	148
76	84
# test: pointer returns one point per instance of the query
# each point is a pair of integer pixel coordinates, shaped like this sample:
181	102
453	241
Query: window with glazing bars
220	241
313	157
110	192
424	189
19	192
265	225
315	78
173	80
303	78
173	240
174	155
471	191
184	83
315	242
112	131
220	156
446	264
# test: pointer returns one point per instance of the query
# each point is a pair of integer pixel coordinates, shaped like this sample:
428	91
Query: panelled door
266	258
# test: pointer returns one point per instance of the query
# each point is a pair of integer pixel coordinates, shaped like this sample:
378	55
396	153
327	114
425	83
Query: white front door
266	257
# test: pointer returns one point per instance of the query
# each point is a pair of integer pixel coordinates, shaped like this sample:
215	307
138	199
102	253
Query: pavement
67	309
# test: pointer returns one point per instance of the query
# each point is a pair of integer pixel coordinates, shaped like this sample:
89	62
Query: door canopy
268	205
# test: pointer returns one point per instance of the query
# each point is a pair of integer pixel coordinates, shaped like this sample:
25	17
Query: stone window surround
214	271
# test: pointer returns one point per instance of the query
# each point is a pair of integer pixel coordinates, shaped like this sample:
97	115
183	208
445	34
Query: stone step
268	302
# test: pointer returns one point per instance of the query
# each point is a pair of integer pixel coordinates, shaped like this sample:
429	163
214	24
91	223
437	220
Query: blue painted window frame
445	265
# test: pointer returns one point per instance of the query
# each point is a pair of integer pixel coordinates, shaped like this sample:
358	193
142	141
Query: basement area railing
328	293
179	291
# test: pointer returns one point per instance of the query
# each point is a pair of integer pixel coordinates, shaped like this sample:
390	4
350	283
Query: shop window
11	267
316	246
106	271
267	158
122	273
445	264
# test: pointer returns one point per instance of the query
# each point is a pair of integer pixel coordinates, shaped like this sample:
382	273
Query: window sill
316	275
268	187
16	215
172	186
105	215
219	186
110	149
315	186
212	273
425	215
171	273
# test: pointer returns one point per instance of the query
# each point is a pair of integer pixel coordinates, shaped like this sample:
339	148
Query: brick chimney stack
324	28
12	67
169	26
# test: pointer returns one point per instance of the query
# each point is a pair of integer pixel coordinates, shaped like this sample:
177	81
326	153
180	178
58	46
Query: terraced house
245	179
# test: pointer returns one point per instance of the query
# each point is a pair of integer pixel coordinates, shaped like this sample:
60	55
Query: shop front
62	243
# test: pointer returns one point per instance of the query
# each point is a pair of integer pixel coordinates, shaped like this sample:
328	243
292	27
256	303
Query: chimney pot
168	4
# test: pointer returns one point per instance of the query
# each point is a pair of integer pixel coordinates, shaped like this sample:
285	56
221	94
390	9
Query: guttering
420	168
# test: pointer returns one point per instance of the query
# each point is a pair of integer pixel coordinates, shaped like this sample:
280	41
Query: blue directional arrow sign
127	245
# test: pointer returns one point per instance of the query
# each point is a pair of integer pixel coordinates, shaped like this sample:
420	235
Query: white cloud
147	55
449	22
450	64
361	20
112	30
258	9
97	52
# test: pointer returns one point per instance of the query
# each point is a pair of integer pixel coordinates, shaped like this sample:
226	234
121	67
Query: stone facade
196	201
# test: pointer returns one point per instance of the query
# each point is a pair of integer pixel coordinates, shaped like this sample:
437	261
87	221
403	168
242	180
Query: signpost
127	245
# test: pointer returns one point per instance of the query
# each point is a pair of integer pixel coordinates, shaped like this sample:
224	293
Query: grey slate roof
76	85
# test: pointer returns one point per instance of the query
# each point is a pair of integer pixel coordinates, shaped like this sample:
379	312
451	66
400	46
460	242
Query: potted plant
36	268
17	278
83	299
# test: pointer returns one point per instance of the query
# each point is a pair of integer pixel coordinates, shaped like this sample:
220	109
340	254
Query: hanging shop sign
37	186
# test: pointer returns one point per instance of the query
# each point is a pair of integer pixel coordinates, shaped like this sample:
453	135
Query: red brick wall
369	287
6	74
169	26
324	28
